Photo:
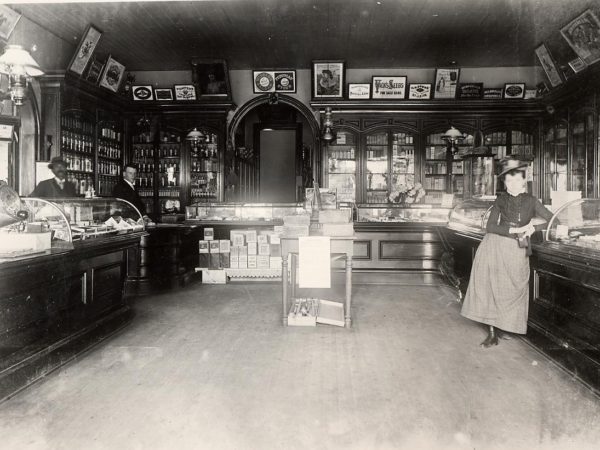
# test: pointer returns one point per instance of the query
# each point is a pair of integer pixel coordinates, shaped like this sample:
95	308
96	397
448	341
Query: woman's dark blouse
515	211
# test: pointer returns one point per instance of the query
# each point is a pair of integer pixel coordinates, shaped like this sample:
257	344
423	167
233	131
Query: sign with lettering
419	91
493	93
391	87
470	90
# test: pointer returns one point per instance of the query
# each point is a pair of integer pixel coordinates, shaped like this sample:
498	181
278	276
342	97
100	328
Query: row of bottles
79	163
169	151
341	153
143	151
204	192
145	180
168	192
75	142
75	123
205	165
168	180
81	181
145	192
107	132
144	166
106	185
109	150
109	168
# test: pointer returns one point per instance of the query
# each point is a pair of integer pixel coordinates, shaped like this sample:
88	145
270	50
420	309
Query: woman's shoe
491	339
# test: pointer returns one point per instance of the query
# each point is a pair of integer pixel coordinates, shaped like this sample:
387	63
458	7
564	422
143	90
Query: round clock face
264	82
142	93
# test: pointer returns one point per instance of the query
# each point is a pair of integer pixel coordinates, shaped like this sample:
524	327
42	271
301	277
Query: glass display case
394	213
341	165
576	223
470	215
204	169
480	176
556	157
213	212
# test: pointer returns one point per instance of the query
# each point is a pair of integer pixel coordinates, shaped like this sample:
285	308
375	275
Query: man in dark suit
126	190
57	187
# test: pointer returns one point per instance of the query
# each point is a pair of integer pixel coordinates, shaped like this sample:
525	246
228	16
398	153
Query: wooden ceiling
291	33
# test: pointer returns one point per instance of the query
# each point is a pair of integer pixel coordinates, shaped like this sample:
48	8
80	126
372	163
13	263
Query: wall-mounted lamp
17	63
328	134
196	139
453	137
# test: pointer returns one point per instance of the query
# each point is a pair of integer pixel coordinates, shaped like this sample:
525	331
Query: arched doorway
273	143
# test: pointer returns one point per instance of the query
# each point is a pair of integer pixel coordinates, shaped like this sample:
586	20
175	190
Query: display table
340	246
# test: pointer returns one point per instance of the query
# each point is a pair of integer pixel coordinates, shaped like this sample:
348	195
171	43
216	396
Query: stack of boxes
213	254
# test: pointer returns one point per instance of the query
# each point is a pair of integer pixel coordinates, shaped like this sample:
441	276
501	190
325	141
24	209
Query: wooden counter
564	300
56	305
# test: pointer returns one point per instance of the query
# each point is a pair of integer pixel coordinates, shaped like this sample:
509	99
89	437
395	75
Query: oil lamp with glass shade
453	137
328	134
18	64
197	140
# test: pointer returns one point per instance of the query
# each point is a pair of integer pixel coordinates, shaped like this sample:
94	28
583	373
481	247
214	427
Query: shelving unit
556	158
341	166
77	146
143	157
169	173
204	170
109	155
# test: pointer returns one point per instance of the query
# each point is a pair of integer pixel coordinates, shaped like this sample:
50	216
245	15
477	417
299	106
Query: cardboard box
263	239
252	248
214	247
238	238
202	246
214	276
274	238
234	262
262	262
251	236
209	234
235	251
275	249
214	261
275	262
224	260
225	246
252	261
264	249
243	251
243	262
25	242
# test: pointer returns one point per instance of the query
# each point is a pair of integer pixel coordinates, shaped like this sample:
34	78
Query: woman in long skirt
498	292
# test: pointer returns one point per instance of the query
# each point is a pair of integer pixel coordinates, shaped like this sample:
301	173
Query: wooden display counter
564	305
56	305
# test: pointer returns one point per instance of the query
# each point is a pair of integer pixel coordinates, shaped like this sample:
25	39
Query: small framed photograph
470	90
419	91
8	22
514	90
85	50
549	66
142	92
94	71
359	91
577	65
211	76
446	81
493	93
163	94
285	81
388	87
185	92
328	79
583	35
263	81
530	93
112	75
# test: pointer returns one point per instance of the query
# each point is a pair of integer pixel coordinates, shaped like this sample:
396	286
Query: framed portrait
328	79
419	91
142	93
514	90
470	90
85	50
493	93
112	75
211	77
577	64
185	92
446	81
163	94
8	21
583	35
94	71
549	66
359	91
388	87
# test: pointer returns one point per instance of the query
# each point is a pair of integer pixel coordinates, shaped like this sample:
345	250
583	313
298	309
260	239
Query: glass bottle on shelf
377	167
341	166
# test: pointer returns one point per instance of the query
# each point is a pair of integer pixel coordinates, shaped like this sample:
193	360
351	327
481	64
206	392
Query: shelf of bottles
169	172
444	172
110	156
143	157
582	159
377	167
556	158
341	166
403	162
77	149
204	169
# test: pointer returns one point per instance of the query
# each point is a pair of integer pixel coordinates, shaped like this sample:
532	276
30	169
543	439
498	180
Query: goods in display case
556	158
78	148
110	156
169	172
143	157
392	213
341	165
479	173
470	215
204	168
576	223
228	212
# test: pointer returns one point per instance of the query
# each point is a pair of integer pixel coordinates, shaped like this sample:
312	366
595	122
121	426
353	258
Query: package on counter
234	262
275	249
238	238
264	249
251	236
262	262
202	246
252	248
243	262
263	238
252	261
235	251
209	234
225	246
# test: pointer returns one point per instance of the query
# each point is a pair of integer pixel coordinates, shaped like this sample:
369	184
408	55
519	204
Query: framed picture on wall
112	75
142	93
163	94
85	50
549	65
328	78
263	81
583	35
8	21
185	92
388	87
470	90
285	81
577	64
94	71
514	90
419	91
446	81
211	77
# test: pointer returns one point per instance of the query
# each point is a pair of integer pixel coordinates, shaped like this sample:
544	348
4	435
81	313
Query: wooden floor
210	367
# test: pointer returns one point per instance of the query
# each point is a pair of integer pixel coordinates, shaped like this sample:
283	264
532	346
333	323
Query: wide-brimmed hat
510	163
57	160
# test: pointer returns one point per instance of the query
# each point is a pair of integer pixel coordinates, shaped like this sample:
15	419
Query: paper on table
315	263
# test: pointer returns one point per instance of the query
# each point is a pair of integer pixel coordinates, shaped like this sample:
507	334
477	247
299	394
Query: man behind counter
57	187
125	189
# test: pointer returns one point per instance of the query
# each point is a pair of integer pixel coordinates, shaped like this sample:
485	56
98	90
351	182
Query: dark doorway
278	146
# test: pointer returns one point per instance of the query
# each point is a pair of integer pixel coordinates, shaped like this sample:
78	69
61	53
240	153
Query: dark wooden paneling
362	250
402	250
